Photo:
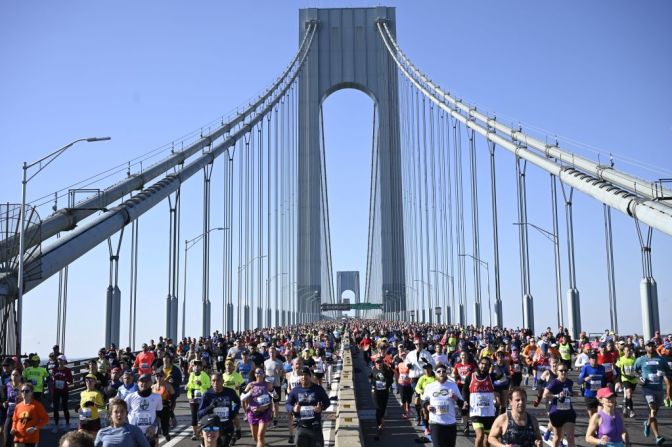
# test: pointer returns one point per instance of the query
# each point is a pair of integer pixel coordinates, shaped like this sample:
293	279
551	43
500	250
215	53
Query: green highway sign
347	306
366	306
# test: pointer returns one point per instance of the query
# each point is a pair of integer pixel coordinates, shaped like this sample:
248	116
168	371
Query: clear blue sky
147	73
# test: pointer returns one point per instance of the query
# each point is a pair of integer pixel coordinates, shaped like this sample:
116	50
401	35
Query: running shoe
239	434
404	415
194	438
647	429
466	431
547	435
275	423
291	439
660	440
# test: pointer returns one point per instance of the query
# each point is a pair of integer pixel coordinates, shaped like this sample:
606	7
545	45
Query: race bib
197	395
328	354
33	381
270	379
264	399
59	384
85	414
144	419
565	405
483	401
307	412
319	368
627	370
654	378
380	385
649	399
222	413
144	365
595	384
220	358
608	367
516	367
441	405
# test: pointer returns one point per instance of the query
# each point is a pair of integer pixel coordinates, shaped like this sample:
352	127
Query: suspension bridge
437	162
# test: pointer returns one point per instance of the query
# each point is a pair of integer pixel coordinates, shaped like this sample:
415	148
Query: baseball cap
651	343
209	420
379	360
62	357
90	376
306	370
145	377
592	355
604	393
7	361
427	366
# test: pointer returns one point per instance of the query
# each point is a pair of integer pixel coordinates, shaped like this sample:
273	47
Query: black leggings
60	399
164	418
381	405
443	435
309	436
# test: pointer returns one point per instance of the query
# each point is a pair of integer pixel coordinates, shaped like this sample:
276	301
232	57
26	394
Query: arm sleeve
324	399
291	401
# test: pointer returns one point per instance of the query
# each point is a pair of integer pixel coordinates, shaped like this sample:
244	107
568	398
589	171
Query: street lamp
187	245
487	269
41	163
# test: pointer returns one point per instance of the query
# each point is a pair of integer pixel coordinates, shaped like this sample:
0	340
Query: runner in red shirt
143	362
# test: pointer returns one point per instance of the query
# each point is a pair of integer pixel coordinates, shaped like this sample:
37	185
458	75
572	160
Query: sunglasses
211	429
259	372
26	391
440	371
562	370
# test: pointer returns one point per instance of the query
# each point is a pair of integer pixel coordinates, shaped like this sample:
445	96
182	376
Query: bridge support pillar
477	313
648	289
113	298
528	312
269	317
463	316
260	321
499	319
574	311
246	317
277	317
229	317
284	317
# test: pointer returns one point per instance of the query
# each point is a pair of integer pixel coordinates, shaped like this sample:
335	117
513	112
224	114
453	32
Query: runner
293	380
144	360
479	397
259	406
91	401
501	381
423	381
28	418
606	427
404	384
127	387
306	402
165	390
592	377
442	396
11	396
224	403
36	375
120	432
463	369
561	411
627	379
274	371
198	384
61	383
415	361
381	378
516	427
143	405
653	371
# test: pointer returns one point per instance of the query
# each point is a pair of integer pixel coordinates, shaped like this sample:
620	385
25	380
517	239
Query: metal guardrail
348	432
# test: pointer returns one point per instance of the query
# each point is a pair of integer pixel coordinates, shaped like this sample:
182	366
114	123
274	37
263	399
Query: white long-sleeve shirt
415	363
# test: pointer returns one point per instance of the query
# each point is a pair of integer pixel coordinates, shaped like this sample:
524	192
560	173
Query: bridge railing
348	432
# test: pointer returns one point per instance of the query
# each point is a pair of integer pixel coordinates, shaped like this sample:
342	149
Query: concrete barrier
348	432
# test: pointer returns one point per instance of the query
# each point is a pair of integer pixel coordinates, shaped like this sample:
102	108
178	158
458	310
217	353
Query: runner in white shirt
415	361
143	406
441	397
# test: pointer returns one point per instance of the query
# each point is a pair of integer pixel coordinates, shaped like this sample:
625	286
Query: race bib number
441	405
307	412
595	384
608	367
654	378
319	368
566	404
59	384
85	414
380	385
220	358
264	399
270	379
33	381
328	354
198	395
144	419
144	365
627	370
483	401
516	367
222	413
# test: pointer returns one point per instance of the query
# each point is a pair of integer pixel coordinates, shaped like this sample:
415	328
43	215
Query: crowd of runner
447	378
451	379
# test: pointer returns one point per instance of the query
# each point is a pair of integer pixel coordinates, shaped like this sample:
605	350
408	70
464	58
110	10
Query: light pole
41	163
478	305
452	290
413	290
558	286
188	243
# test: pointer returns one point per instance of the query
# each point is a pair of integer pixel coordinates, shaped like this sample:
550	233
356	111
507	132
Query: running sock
628	403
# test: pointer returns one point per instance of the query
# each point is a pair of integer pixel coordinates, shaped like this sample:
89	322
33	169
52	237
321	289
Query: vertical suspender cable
457	138
435	265
475	228
499	318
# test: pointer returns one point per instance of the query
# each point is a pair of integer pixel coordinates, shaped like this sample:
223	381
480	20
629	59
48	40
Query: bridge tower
348	53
